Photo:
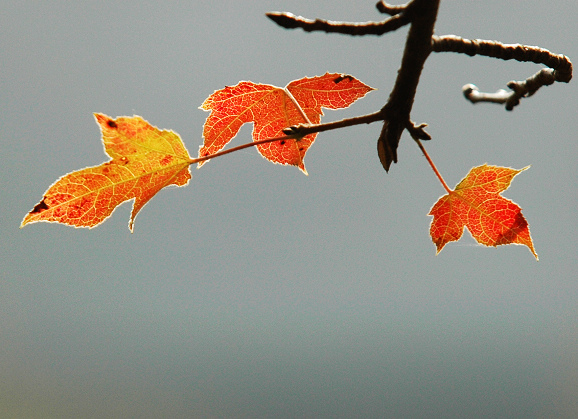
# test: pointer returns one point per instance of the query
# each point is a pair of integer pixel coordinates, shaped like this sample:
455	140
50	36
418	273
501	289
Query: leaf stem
297	105
433	166
241	147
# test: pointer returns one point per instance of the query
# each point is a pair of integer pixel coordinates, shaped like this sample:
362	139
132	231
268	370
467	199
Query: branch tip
473	94
390	9
284	19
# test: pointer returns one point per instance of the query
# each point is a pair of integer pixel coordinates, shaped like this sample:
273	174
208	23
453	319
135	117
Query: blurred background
257	291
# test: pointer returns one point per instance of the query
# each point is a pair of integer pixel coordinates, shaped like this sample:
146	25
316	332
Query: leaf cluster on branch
286	121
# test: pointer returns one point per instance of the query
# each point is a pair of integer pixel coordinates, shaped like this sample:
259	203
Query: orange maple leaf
476	203
272	109
144	160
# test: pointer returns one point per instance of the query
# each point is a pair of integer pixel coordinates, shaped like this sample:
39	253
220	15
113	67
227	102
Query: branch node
418	132
293	130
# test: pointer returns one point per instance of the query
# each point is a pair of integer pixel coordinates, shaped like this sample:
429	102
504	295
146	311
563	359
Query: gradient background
257	291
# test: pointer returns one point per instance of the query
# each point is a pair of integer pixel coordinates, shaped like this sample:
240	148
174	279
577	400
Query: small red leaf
476	203
272	109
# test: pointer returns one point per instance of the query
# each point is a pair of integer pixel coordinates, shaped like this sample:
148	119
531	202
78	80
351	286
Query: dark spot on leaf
40	207
339	79
111	123
301	148
282	142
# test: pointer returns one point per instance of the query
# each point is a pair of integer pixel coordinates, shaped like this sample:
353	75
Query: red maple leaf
476	203
144	160
272	109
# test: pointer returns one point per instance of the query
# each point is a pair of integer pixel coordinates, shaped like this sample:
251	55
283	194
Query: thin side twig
290	21
560	67
302	130
240	147
299	131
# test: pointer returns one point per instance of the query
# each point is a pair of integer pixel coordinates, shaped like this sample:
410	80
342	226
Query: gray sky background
257	291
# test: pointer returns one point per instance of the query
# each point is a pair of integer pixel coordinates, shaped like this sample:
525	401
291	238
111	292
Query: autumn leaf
144	160
272	109
476	203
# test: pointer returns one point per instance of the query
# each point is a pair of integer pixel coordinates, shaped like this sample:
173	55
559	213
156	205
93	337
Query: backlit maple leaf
476	203
272	109
144	160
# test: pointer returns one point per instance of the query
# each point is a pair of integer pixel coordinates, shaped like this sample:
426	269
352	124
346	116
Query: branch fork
421	16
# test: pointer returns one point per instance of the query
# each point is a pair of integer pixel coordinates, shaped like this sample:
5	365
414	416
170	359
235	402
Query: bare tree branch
290	21
495	49
560	67
396	112
520	89
302	130
398	107
422	14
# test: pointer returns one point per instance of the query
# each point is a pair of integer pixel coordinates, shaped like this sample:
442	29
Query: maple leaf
144	160
272	109
476	203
